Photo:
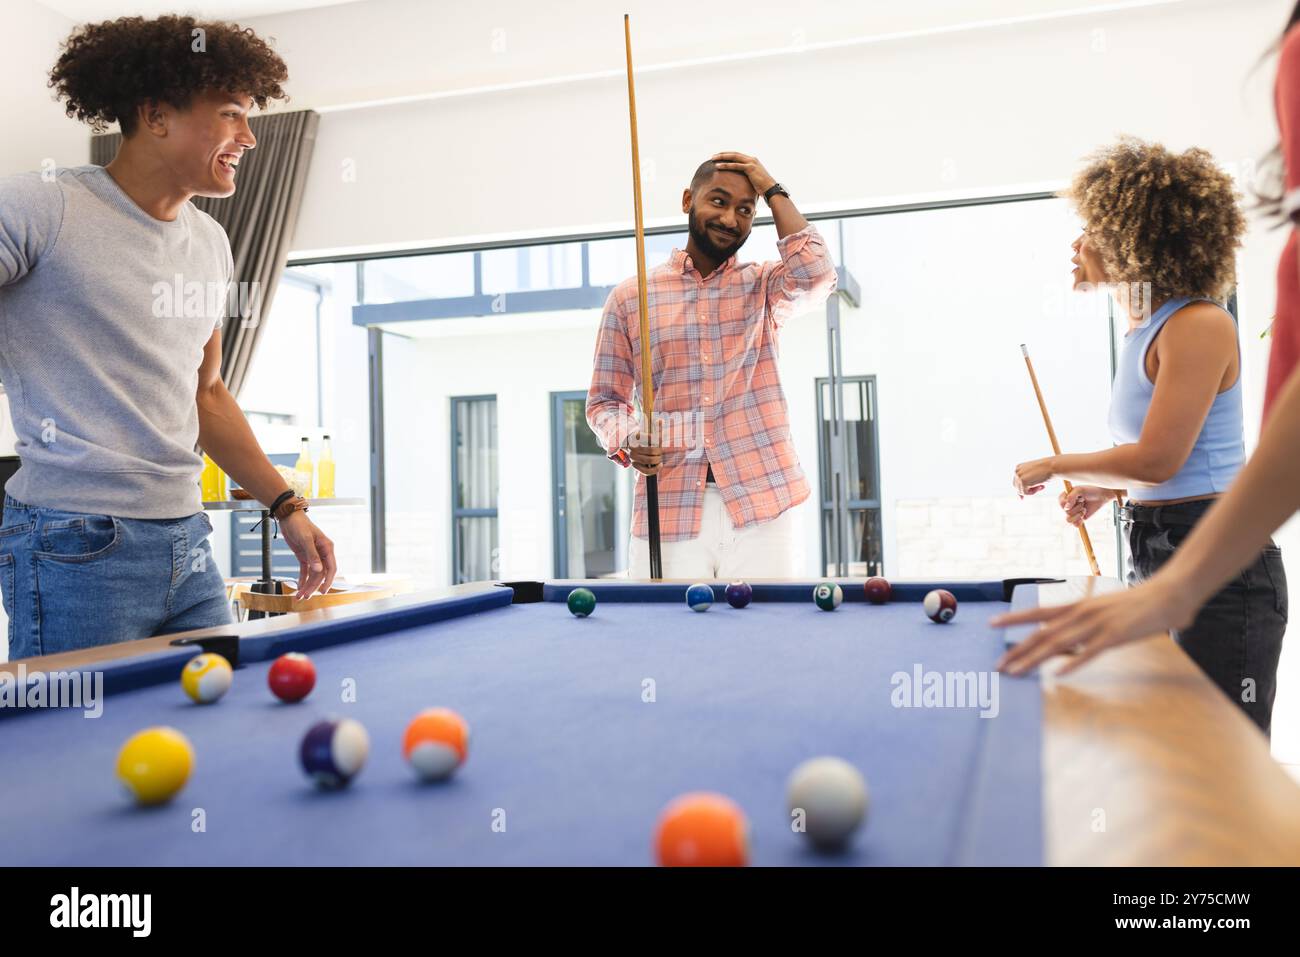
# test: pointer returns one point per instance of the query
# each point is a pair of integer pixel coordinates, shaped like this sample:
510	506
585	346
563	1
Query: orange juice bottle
209	484
304	468
325	471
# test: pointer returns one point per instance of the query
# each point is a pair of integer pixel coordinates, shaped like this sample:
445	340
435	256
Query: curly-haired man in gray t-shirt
112	292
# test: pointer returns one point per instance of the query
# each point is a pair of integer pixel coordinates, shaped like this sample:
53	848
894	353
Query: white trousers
723	552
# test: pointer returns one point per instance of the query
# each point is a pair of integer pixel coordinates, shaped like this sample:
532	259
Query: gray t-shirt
104	314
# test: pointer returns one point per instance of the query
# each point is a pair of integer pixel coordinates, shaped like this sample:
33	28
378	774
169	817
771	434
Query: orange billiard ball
436	743
702	830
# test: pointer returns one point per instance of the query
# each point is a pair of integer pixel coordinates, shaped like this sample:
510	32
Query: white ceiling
89	11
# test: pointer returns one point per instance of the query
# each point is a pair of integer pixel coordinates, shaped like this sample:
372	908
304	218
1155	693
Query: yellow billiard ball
154	764
206	677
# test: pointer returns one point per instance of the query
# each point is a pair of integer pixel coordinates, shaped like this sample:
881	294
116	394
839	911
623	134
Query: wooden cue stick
647	381
1056	450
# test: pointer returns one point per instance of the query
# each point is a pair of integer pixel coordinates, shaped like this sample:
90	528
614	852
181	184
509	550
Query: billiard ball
292	677
436	743
333	751
206	677
739	594
878	590
940	605
582	602
828	596
702	830
828	797
154	764
699	597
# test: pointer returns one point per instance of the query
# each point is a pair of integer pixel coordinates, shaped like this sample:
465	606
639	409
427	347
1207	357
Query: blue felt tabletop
582	730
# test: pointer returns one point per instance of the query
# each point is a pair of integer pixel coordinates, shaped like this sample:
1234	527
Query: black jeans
1236	639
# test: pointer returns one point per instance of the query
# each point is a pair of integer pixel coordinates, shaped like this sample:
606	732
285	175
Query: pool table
584	728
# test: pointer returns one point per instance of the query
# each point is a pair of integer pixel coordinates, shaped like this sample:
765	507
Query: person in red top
727	467
1265	494
1285	350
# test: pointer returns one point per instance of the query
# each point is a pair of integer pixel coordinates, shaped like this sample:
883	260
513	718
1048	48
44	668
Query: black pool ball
739	594
878	590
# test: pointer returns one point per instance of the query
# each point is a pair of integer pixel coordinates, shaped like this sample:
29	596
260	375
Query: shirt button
706	398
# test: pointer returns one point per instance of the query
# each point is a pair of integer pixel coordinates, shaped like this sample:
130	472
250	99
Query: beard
708	242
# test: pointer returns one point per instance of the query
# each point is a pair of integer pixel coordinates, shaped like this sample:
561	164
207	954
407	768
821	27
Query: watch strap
773	190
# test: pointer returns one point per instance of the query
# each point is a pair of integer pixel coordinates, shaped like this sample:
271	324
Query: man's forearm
227	437
787	218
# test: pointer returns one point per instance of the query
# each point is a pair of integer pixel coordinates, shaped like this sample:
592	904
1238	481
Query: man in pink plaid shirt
728	472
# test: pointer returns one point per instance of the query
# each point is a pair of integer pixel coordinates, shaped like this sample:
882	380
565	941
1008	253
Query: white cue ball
833	797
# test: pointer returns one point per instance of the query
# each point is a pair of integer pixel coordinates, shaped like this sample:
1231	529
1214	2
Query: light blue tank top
1220	449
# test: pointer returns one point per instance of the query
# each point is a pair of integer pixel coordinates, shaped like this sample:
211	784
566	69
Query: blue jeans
72	580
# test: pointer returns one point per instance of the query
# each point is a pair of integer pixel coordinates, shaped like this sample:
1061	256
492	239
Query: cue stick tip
1024	351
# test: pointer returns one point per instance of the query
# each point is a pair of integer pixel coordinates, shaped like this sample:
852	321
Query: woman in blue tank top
1161	232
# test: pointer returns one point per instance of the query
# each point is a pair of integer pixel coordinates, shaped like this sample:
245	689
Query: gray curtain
259	219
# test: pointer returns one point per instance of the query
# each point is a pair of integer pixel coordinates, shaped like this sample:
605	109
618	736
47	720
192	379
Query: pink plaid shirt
718	396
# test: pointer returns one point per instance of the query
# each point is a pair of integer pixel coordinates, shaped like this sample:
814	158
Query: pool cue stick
1056	450
647	382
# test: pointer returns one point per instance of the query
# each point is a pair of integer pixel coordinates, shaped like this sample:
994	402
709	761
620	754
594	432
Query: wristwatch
774	190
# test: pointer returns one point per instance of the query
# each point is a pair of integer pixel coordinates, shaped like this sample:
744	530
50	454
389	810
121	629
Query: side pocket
1276	572
81	539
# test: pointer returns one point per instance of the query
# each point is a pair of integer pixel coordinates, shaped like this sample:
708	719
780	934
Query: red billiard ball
292	677
878	590
940	605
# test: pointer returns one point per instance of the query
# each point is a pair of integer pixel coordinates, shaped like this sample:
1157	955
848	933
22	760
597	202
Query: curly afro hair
108	69
1170	219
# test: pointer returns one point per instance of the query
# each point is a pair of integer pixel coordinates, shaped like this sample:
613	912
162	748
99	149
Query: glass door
591	495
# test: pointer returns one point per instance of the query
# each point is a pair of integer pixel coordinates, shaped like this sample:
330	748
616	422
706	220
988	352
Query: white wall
983	110
37	133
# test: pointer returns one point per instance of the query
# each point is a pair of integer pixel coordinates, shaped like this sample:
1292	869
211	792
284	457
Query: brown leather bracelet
295	504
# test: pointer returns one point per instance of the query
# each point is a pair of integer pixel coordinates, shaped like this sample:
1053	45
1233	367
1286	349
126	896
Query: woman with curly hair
1161	233
1224	549
111	379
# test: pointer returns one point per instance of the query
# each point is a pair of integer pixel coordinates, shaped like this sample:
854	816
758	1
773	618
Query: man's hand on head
749	166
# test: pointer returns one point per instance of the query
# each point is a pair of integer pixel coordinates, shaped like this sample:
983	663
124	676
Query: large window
474	488
933	306
856	481
284	381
